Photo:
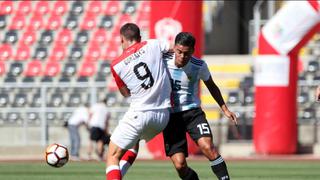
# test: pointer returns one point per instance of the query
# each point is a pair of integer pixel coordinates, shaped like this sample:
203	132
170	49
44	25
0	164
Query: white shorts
137	125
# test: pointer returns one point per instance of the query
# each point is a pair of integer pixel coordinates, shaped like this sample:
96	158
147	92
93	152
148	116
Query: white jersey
185	82
99	115
142	70
80	115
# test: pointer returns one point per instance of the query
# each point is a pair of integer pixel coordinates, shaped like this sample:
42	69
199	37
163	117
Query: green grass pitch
161	170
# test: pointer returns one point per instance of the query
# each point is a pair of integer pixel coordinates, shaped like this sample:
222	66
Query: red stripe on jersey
314	4
118	80
127	52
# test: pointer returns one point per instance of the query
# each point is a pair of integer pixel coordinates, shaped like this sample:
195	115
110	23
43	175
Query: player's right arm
124	91
121	85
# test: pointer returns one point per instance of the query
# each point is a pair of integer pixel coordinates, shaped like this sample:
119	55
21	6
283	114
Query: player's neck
130	43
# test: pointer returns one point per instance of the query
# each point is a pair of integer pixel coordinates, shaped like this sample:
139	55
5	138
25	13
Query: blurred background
55	56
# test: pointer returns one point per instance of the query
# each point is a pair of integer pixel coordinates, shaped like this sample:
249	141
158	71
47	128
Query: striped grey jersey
185	82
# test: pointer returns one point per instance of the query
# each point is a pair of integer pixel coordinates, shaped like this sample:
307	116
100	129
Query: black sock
219	168
191	175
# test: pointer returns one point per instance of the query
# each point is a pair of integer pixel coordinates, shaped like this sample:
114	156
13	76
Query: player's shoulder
128	52
196	61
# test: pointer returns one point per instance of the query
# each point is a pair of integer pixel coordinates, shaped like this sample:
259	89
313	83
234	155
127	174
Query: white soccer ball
57	155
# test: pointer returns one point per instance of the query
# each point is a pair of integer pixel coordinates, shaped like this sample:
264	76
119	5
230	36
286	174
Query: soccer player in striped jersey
140	73
186	72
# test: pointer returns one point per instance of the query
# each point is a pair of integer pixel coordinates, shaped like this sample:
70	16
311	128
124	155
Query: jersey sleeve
118	80
204	72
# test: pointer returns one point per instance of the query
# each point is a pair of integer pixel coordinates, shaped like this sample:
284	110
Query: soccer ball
57	155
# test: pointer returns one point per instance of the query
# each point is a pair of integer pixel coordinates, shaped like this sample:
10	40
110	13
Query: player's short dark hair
185	39
131	32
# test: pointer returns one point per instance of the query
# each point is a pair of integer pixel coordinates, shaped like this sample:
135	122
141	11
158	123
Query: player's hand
231	116
318	93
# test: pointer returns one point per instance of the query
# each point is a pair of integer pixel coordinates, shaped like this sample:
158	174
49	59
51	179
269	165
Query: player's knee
209	151
180	165
206	147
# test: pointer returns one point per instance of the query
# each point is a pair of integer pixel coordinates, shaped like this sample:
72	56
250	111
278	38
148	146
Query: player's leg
125	136
72	135
217	163
113	158
185	172
100	149
176	146
128	159
100	143
199	130
93	139
77	143
90	149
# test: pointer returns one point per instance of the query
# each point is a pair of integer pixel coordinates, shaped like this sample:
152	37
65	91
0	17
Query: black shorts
192	121
97	134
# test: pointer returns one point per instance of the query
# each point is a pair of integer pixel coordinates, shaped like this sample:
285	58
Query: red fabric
129	156
114	175
314	4
117	79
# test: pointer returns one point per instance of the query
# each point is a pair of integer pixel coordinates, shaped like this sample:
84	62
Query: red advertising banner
275	124
168	18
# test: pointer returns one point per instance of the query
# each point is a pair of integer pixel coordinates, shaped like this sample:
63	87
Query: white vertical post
257	18
44	123
271	8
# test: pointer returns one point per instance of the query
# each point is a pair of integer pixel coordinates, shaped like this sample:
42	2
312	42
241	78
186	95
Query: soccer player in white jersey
187	116
141	74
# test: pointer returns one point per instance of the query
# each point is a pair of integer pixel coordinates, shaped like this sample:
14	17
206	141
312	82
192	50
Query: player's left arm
216	94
